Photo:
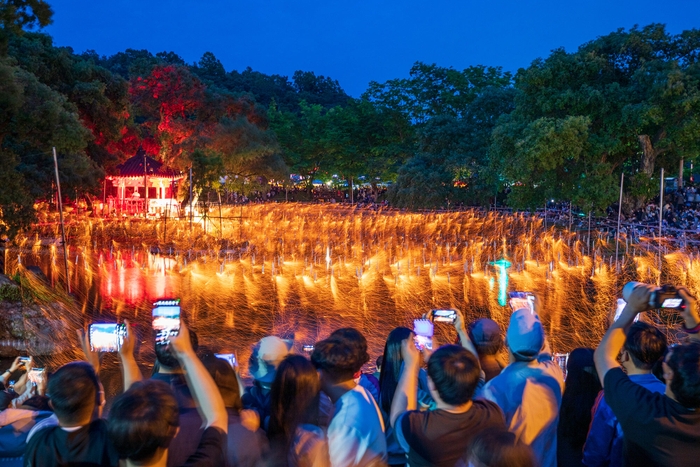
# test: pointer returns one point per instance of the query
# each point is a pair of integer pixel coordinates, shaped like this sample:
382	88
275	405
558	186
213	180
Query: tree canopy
564	127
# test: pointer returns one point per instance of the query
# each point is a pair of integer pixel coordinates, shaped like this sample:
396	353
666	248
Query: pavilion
128	196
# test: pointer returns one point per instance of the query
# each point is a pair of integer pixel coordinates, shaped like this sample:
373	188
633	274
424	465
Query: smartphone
35	374
106	337
24	360
562	360
423	342
229	357
518	300
166	320
423	330
308	348
444	316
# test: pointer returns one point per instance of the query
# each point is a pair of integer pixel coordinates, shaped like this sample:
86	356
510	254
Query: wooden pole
589	231
545	215
191	214
63	227
619	216
221	224
352	192
661	222
145	186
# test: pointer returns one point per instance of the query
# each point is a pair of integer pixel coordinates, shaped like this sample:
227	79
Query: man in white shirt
356	431
529	389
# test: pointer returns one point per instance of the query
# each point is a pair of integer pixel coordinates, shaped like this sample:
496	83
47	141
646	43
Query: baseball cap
525	335
484	331
266	357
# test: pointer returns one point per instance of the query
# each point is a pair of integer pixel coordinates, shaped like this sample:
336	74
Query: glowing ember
277	269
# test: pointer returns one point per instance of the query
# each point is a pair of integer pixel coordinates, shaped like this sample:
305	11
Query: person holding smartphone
440	436
529	390
659	429
144	420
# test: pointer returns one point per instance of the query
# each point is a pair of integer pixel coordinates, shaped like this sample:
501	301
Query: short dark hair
684	360
72	390
645	344
338	357
39	403
143	419
164	356
499	448
356	338
455	373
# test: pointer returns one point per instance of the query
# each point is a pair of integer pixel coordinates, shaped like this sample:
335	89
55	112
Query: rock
5	280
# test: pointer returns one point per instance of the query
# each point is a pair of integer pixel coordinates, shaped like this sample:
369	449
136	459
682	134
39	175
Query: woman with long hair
392	364
295	437
582	388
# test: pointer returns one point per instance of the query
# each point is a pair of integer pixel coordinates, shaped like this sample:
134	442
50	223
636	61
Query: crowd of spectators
362	196
486	399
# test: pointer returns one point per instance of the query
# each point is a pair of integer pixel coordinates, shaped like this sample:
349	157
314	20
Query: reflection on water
307	270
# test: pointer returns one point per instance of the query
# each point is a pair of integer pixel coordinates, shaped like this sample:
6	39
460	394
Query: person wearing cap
486	335
529	389
264	360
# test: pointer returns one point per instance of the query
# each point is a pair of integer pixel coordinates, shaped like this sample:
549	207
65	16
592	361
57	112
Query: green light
502	265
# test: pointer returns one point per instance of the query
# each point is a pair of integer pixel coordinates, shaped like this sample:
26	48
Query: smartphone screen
423	342
229	357
518	300
444	316
24	360
34	374
308	348
166	320
562	360
106	337
672	303
423	330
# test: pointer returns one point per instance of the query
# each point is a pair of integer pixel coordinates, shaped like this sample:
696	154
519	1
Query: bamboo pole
63	226
619	215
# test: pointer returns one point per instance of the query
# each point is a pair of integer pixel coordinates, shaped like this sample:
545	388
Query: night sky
355	41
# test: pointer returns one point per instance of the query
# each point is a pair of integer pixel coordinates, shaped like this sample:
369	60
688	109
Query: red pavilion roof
133	168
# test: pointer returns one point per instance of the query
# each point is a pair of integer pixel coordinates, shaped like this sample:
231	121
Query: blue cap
525	334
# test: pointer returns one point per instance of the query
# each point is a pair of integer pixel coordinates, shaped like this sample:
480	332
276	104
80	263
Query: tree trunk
648	156
680	175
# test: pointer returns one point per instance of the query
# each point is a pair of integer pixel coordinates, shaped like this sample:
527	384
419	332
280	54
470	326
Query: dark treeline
566	127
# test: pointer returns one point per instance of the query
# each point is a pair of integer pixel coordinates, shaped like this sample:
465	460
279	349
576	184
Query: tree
431	90
320	90
303	139
630	96
453	113
33	118
18	15
210	70
166	103
365	139
101	97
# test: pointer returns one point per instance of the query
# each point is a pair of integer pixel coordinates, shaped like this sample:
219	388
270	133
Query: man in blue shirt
644	347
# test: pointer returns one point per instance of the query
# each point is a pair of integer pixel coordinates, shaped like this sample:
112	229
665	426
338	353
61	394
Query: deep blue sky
355	41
